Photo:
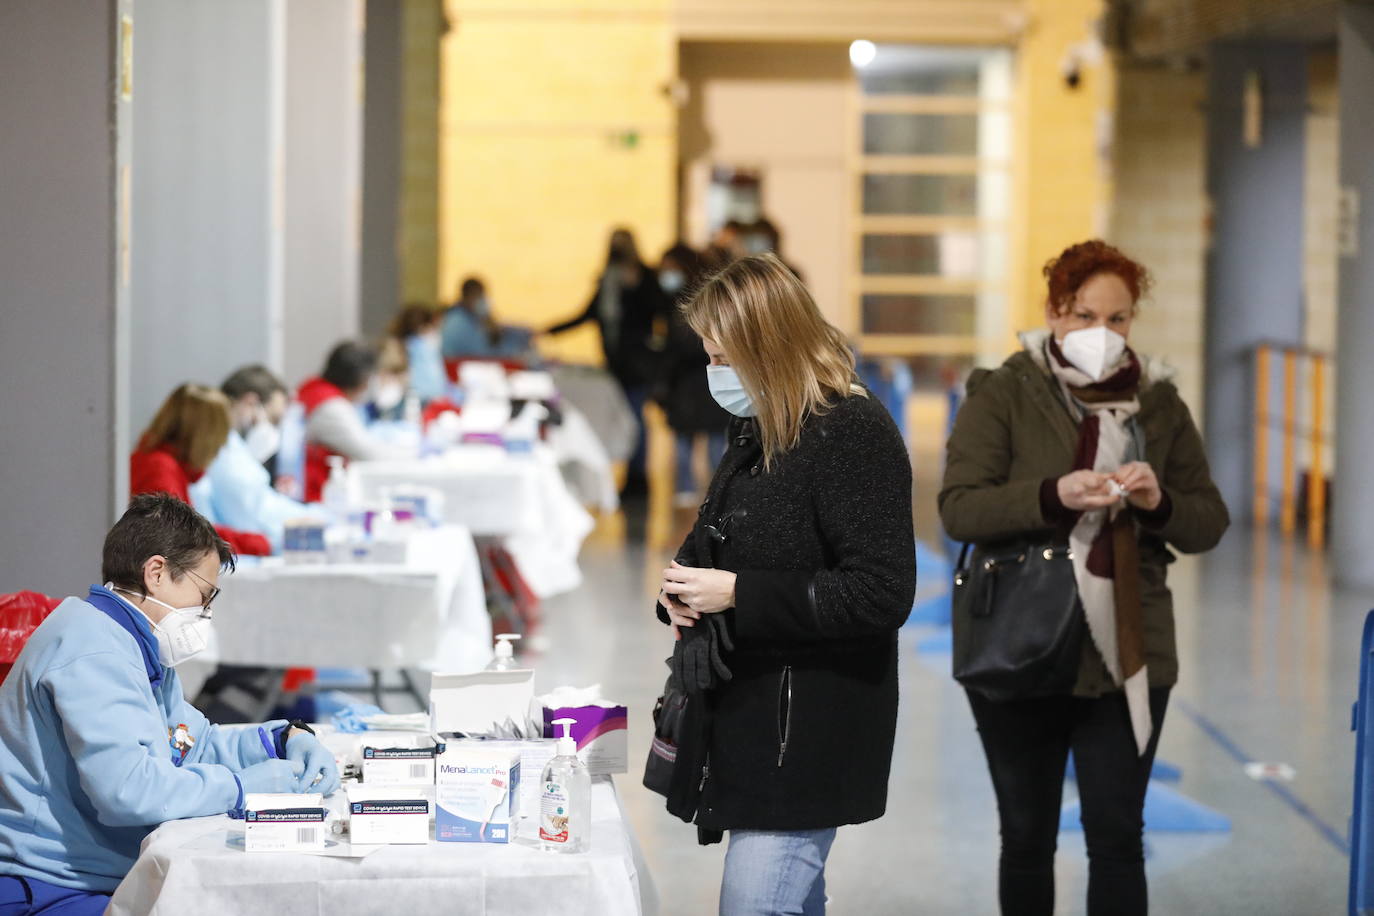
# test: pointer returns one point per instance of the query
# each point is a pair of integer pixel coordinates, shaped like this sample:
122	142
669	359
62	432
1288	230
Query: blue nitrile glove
272	776
317	761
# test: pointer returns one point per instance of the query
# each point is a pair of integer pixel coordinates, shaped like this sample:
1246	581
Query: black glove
697	664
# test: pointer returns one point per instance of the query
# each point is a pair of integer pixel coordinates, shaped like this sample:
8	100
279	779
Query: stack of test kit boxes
395	799
283	822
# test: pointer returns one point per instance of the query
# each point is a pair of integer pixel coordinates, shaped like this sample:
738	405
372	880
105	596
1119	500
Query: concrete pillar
1352	508
1255	264
208	263
64	300
322	180
380	264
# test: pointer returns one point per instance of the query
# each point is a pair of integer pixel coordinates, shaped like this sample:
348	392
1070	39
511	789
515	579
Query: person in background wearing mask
237	489
417	328
1078	440
682	389
97	744
727	246
468	329
333	423
763	236
183	439
625	306
387	395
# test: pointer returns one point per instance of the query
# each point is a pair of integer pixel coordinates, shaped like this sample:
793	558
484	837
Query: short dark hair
349	364
255	379
159	524
472	286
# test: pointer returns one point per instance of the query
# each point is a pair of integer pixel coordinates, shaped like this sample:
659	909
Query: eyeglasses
204	601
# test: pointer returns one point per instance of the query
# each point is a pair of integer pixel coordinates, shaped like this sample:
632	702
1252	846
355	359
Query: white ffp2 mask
263	440
1093	351
181	635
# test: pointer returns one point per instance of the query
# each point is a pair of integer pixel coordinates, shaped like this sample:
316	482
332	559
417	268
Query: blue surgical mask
729	391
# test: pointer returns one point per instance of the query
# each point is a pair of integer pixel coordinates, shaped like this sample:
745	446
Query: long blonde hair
792	362
193	422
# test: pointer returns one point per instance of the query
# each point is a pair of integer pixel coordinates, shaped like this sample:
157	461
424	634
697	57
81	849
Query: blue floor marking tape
1213	731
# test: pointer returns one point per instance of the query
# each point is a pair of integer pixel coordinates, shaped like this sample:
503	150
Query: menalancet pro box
477	794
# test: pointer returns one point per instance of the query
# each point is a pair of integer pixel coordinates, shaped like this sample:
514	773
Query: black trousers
1027	743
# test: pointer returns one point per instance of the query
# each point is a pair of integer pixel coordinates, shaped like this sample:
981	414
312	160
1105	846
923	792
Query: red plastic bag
20	615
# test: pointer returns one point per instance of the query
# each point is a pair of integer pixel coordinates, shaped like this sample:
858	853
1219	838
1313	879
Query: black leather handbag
669	713
1018	622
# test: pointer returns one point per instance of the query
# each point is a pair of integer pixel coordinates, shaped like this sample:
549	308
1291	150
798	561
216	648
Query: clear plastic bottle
336	495
565	808
504	659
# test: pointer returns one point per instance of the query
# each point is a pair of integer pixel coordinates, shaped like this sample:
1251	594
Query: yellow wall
537	99
780	109
418	222
1062	171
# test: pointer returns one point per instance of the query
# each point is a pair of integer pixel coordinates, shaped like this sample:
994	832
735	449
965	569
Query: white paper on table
232	839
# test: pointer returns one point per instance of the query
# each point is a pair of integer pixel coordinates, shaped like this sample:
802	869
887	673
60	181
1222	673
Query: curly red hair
1077	264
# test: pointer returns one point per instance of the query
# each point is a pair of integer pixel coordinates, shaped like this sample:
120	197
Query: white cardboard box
477	794
283	822
387	814
471	704
399	762
534	756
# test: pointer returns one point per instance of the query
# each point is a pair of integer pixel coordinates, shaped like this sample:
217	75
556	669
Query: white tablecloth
198	866
598	395
521	499
583	459
429	613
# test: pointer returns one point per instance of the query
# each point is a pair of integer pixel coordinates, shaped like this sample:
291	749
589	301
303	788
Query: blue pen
267	743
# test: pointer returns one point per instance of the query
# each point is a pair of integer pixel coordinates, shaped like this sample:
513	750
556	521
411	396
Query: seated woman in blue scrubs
97	744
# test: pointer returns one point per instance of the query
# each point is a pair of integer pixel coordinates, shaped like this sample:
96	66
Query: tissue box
477	794
387	815
399	766
283	822
601	733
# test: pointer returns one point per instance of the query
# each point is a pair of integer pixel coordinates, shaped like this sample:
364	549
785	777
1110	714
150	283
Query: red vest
312	394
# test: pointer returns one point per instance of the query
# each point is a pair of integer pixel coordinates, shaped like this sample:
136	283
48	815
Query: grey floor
1269	653
1270	665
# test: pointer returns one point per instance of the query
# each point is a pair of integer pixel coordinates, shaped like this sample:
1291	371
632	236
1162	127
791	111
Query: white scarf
1095	537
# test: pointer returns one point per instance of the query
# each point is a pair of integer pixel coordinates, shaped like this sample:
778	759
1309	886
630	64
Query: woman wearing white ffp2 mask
1079	446
94	702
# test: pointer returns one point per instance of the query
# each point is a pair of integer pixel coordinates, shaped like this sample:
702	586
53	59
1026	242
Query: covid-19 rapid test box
400	763
283	822
477	792
387	814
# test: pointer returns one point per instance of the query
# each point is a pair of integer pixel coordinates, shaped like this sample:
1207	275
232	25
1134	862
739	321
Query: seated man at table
97	744
237	488
333	423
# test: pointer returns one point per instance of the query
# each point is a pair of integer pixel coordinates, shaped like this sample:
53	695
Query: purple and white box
601	733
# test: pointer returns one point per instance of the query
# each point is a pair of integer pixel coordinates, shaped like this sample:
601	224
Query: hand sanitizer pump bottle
505	653
565	815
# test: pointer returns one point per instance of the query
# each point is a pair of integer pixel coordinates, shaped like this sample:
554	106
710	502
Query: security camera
1071	69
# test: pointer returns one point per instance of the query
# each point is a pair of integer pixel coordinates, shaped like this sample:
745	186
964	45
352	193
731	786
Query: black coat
801	737
682	390
628	346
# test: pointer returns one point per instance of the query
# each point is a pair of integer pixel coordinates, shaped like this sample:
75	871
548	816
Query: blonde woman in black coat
787	595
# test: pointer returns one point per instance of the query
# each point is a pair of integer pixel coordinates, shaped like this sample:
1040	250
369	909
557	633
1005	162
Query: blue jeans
715	447
31	897
775	873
